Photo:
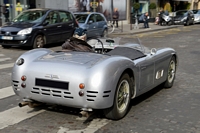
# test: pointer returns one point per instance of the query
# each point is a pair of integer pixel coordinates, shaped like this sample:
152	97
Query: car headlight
25	31
184	19
20	61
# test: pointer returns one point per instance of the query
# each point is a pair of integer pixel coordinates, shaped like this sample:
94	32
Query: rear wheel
170	73
39	41
121	99
169	23
105	32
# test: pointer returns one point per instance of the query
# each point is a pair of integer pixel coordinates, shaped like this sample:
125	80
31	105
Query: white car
196	16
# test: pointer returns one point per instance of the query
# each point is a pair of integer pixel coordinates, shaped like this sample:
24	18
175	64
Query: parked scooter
166	20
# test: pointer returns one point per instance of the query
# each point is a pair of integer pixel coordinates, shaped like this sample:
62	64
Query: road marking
5	59
2	55
6	92
94	125
16	115
6	65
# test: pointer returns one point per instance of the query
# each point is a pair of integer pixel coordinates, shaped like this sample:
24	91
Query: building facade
125	7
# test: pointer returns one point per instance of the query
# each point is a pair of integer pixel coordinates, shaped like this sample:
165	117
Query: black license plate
51	83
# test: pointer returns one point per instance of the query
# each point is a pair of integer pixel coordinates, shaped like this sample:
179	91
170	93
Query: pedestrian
160	16
146	20
115	17
157	20
6	14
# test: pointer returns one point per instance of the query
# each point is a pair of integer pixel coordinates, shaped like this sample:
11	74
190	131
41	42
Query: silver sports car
106	79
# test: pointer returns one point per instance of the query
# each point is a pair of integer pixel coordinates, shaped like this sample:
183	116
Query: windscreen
81	18
30	16
181	13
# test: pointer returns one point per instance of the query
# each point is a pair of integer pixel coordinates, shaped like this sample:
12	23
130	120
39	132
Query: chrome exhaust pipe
22	104
30	104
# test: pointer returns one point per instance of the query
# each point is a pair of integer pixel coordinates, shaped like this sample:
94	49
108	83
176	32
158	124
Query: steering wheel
93	42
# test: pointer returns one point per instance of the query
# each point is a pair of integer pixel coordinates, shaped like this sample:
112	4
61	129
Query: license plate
7	37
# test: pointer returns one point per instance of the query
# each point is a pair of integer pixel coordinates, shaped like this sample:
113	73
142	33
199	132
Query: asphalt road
174	110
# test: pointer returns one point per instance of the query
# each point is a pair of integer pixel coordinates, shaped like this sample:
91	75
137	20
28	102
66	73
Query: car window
92	18
30	16
65	16
99	18
196	11
181	13
52	18
81	18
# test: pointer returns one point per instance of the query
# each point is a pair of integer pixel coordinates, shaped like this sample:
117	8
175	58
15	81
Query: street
174	110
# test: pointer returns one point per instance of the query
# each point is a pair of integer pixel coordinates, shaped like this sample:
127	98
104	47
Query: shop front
15	7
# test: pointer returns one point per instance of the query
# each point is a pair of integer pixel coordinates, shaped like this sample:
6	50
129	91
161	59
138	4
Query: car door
92	26
67	25
53	29
147	68
101	24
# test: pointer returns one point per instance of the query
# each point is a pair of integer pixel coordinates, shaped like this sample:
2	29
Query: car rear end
59	79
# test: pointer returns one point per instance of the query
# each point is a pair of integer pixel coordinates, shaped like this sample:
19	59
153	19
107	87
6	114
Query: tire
5	46
171	72
105	32
123	95
187	23
193	22
169	23
39	42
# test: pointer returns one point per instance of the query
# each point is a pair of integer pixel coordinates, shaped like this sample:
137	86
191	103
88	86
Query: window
99	18
65	16
52	18
92	18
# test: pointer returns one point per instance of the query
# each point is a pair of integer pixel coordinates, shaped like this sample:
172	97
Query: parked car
94	23
184	17
196	16
38	27
93	80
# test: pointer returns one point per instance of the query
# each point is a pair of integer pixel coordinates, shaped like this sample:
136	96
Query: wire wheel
123	95
121	100
171	72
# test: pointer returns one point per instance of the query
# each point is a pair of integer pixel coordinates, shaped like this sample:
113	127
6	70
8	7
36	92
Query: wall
57	4
40	3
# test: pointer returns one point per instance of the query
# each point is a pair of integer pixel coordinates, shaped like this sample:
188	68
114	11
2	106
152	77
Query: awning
182	0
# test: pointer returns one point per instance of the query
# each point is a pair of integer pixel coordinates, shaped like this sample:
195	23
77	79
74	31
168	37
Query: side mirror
90	22
45	23
153	51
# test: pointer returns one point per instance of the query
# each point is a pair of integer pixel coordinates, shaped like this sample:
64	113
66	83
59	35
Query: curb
146	30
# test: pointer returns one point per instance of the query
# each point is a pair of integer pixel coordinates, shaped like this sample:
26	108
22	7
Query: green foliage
136	6
188	6
152	5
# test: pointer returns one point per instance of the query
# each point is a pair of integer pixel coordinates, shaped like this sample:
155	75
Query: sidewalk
125	29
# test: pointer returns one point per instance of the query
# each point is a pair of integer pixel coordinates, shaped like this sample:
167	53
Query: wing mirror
90	22
45	23
153	51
